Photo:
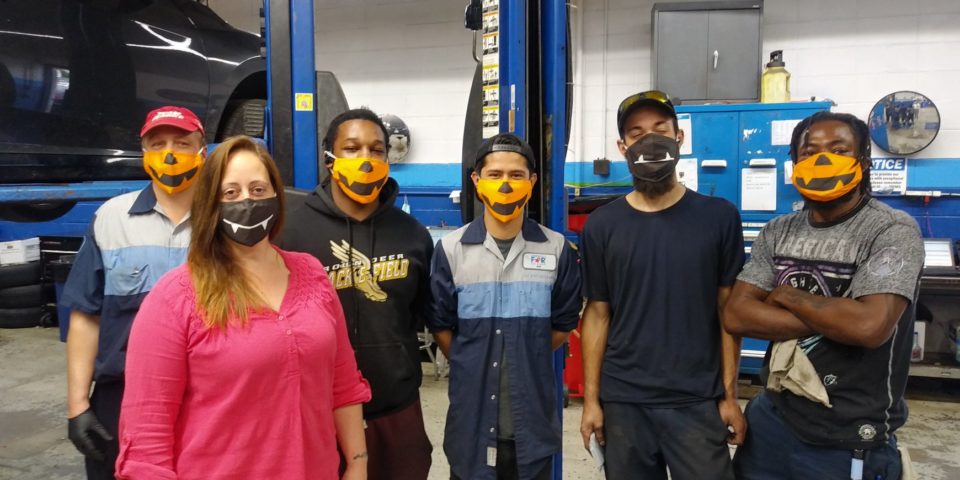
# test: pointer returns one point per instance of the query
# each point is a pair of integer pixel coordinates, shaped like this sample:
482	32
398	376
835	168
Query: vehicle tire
35	212
330	102
26	296
244	117
470	206
48	316
21	317
20	275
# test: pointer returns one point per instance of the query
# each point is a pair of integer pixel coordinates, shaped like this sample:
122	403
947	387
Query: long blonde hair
223	289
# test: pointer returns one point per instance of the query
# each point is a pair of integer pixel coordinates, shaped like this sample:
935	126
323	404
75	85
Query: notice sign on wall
687	173
888	176
758	189
686	124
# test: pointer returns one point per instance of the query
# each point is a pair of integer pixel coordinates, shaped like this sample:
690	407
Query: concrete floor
33	443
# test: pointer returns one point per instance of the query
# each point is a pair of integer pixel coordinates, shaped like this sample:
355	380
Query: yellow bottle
775	81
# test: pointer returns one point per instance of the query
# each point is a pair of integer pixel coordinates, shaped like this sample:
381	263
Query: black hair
487	147
860	131
361	113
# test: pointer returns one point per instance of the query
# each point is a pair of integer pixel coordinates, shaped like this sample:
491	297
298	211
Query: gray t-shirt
504	420
873	250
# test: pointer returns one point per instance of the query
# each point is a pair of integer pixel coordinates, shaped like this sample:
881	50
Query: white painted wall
869	48
851	51
242	14
408	58
412	58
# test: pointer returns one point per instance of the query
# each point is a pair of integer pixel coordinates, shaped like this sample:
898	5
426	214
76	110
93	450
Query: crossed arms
787	312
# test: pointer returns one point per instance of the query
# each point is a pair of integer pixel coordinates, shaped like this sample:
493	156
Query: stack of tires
24	298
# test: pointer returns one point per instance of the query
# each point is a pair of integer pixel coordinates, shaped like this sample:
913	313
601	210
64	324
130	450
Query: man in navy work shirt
660	374
505	294
133	240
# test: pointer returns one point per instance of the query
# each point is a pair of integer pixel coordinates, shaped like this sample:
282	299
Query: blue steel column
303	80
554	55
513	96
555	105
268	110
513	66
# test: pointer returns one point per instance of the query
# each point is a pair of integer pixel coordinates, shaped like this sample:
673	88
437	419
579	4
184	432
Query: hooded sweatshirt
384	295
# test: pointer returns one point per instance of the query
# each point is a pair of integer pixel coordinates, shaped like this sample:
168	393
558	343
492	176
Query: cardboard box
53	248
20	251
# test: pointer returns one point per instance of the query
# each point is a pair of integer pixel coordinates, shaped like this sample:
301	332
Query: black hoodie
384	311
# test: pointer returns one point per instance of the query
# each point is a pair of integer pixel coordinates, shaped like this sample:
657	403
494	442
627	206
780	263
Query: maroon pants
398	446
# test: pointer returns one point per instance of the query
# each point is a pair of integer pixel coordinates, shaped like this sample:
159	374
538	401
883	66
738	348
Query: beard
654	189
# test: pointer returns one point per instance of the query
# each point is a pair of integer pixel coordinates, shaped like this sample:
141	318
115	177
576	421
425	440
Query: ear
680	137
622	147
533	179
475	177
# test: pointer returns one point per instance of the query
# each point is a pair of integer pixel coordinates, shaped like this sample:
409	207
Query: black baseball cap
649	98
506	142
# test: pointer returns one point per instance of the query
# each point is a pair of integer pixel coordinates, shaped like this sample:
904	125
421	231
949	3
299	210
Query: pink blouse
249	402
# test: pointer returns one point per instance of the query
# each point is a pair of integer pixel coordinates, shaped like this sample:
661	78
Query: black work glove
81	430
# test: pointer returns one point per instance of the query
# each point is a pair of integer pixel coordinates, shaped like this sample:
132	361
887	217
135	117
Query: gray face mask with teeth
248	221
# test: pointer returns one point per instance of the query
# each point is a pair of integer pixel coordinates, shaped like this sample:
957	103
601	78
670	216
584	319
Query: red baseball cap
173	116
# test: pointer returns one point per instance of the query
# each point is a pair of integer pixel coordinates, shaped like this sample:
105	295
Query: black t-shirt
660	272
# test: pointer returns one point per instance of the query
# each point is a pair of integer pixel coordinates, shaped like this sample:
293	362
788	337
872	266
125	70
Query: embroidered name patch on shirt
539	261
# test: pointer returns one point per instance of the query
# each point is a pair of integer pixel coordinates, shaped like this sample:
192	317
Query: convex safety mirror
903	123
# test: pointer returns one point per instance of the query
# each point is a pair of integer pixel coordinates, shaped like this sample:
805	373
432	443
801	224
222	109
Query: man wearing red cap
133	240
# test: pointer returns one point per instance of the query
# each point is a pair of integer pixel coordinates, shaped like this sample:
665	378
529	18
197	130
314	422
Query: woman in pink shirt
239	365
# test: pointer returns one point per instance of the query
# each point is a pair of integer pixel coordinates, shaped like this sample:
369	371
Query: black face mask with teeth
653	158
248	221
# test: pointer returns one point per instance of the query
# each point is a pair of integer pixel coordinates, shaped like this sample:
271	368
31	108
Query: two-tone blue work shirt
502	308
130	245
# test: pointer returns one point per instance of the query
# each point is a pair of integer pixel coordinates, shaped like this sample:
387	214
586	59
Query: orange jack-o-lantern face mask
504	199
823	177
172	171
360	178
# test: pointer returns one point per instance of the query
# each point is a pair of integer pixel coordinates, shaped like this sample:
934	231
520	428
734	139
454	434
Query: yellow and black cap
649	98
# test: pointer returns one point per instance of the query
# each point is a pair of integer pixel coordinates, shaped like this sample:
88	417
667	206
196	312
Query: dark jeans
105	403
507	463
771	450
398	446
642	442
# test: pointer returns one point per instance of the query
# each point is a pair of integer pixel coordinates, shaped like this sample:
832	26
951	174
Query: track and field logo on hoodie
358	270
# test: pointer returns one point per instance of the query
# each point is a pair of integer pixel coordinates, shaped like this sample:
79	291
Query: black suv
77	78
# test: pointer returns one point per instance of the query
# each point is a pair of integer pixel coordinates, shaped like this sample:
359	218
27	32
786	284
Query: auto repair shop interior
77	78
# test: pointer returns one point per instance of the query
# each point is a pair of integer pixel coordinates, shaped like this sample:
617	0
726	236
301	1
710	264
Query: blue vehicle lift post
533	91
555	55
291	90
534	100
